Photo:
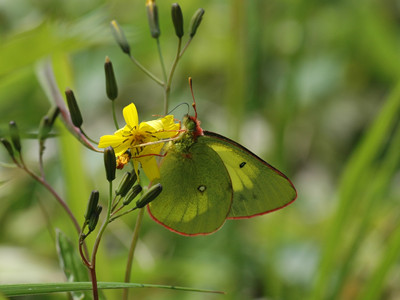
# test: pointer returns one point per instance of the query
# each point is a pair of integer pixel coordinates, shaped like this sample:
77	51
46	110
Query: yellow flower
134	134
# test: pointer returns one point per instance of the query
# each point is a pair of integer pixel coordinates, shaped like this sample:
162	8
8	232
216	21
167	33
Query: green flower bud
110	163
126	183
132	194
120	37
14	133
8	147
111	83
73	107
94	218
151	194
177	19
53	114
92	205
152	15
195	22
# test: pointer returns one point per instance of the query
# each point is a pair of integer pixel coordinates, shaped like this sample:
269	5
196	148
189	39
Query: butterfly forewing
258	188
197	191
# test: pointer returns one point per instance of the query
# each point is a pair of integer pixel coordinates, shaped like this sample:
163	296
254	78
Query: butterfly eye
242	164
202	188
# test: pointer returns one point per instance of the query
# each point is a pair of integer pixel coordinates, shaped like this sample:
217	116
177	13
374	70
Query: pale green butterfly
208	178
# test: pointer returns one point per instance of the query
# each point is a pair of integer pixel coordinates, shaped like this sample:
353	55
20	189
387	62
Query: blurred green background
310	86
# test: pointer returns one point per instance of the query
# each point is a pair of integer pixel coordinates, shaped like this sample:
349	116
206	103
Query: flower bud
110	163
8	147
132	194
92	205
126	183
195	22
53	114
120	37
152	15
14	133
111	83
151	194
73	107
177	19
94	218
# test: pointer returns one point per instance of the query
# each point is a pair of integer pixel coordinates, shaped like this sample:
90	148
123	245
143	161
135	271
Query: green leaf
71	263
12	290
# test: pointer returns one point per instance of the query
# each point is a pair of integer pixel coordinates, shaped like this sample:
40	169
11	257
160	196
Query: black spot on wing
201	188
242	164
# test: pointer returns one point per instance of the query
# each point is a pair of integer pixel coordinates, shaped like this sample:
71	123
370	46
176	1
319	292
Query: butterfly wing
197	191
258	188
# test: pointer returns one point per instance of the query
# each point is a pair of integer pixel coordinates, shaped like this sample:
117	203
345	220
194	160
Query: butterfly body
208	178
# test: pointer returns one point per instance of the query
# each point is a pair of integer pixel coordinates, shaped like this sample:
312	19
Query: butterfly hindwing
258	188
197	191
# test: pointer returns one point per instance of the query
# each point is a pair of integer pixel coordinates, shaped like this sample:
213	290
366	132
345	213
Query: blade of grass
12	290
380	178
374	286
353	182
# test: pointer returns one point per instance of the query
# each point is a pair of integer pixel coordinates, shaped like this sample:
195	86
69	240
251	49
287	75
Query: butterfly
208	178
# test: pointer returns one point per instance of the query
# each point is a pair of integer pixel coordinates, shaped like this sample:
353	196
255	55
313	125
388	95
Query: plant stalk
97	243
132	251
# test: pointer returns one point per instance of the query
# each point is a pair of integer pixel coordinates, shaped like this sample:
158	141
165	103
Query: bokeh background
310	86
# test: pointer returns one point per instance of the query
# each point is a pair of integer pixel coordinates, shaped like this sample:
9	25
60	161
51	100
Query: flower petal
151	126
152	150
119	143
131	115
162	128
124	131
150	167
170	127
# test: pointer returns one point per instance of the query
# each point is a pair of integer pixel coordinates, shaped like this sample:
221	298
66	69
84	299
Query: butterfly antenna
194	101
183	103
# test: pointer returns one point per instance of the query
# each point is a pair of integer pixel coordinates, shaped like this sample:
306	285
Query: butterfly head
191	130
192	126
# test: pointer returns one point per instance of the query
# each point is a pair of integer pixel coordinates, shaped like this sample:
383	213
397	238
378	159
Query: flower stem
41	167
114	115
132	251
171	74
164	72
86	136
93	276
97	243
184	48
122	214
147	72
